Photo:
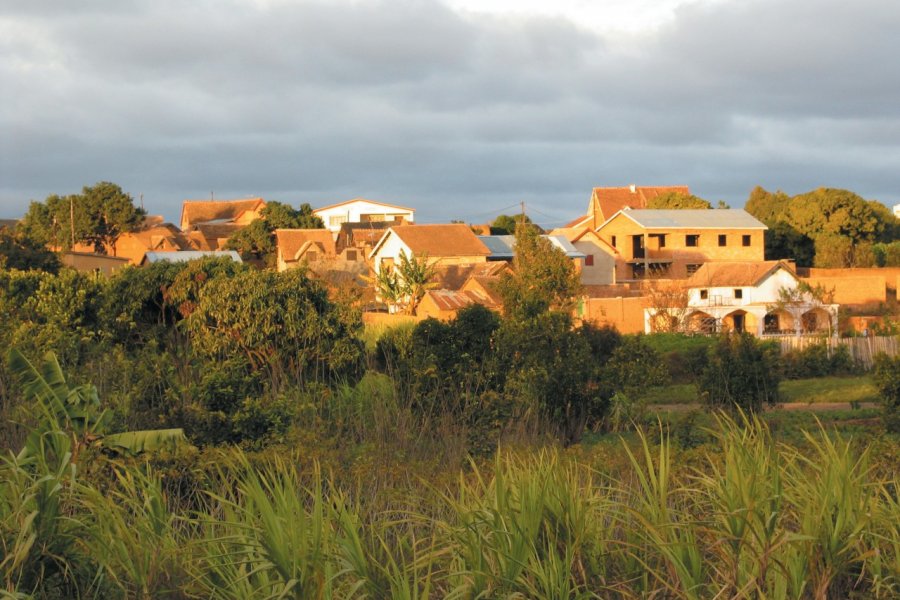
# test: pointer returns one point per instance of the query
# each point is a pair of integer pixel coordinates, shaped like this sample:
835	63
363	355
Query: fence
862	349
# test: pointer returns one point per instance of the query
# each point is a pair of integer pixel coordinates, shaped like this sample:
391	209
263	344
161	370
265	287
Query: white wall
390	249
603	272
765	293
352	212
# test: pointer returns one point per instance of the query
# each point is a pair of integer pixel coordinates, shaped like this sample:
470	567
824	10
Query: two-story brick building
675	243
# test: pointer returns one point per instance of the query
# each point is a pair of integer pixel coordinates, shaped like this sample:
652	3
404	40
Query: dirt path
808	406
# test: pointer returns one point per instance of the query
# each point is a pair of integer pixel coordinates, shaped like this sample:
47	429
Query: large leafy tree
257	240
677	200
543	278
506	224
97	217
18	251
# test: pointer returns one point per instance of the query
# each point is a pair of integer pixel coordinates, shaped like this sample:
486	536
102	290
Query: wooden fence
862	349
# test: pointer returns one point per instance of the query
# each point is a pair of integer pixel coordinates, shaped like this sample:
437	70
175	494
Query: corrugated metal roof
501	246
186	255
714	218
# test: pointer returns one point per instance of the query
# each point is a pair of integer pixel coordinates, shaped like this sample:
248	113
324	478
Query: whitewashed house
452	244
360	210
762	298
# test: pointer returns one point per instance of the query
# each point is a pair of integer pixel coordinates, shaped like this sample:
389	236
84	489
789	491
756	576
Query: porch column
798	321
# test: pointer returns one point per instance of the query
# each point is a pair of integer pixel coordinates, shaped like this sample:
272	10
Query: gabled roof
453	277
703	218
205	211
606	201
435	241
187	255
502	246
354	200
736	274
455	300
293	242
151	236
576	234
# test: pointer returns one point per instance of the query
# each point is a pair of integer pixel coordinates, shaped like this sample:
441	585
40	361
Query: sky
461	109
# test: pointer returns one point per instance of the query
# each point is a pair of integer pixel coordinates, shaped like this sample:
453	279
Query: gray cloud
455	114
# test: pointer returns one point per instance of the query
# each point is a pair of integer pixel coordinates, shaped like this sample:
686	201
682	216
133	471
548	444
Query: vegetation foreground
746	516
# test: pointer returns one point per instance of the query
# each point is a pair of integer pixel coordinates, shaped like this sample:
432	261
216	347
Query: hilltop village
641	268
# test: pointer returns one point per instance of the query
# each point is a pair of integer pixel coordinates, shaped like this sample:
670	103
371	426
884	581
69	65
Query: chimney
632	187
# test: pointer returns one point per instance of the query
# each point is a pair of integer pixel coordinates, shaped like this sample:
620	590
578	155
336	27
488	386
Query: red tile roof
454	239
291	241
455	300
735	274
204	211
607	201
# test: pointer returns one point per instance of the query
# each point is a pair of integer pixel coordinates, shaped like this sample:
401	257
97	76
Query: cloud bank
457	113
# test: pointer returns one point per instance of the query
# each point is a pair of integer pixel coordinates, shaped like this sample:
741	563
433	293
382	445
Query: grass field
810	391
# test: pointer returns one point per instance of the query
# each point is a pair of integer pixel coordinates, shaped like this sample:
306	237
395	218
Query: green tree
784	242
741	373
97	216
18	251
887	379
257	240
767	206
676	200
506	224
543	278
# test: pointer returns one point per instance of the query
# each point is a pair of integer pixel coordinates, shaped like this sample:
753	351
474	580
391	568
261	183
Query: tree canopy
506	224
677	200
840	225
17	251
97	217
543	278
257	240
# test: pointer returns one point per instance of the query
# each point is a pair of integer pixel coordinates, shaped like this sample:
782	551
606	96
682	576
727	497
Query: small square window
692	240
745	240
704	294
723	239
351	255
589	260
738	293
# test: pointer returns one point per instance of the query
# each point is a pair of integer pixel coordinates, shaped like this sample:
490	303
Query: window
692	240
613	241
351	255
738	293
337	221
723	239
660	238
745	240
704	294
691	269
589	260
312	256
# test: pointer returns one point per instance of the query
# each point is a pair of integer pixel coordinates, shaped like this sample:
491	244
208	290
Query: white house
763	298
453	244
599	257
897	210
360	210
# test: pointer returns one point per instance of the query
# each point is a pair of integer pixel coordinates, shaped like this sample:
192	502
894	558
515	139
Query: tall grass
747	518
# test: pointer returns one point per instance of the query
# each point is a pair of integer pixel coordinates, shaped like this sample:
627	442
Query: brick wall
626	314
853	290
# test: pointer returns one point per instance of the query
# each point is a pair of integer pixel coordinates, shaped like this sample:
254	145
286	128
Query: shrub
742	373
887	379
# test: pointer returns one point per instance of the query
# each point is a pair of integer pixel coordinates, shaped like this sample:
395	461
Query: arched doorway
816	320
778	321
700	322
739	321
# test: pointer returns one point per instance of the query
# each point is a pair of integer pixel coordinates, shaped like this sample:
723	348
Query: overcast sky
461	108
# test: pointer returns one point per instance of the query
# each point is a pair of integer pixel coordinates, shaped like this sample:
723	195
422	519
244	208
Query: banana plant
77	411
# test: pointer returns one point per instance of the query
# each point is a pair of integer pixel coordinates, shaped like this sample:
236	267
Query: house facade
762	298
674	244
599	263
208	223
360	210
452	244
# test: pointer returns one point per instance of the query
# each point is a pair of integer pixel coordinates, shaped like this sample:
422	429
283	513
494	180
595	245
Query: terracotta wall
853	290
627	314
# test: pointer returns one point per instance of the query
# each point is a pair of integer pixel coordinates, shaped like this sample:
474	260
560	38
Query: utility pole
142	200
522	205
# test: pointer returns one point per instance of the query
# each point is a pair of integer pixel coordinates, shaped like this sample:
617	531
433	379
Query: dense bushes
818	361
887	378
742	372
